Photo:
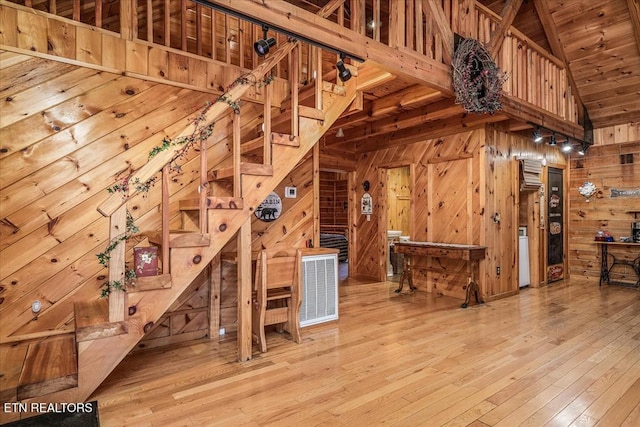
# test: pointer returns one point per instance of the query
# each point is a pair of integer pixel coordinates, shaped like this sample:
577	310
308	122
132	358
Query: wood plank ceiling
600	41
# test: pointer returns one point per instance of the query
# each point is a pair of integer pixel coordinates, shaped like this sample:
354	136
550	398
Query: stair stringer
98	358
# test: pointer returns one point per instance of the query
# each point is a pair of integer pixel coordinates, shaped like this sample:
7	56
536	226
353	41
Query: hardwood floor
567	354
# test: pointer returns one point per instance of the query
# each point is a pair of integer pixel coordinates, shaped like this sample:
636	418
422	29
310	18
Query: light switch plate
290	192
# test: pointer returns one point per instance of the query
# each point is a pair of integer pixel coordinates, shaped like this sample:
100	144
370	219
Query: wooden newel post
117	298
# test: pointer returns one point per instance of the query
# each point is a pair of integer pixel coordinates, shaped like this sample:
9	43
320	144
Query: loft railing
535	76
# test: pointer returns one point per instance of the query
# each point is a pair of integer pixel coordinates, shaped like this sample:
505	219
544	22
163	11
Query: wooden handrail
517	33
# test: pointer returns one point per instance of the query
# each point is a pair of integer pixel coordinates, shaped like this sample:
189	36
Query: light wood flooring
567	354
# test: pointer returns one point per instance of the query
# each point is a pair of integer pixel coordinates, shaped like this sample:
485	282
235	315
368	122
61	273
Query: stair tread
50	365
150	283
213	202
92	321
245	168
181	239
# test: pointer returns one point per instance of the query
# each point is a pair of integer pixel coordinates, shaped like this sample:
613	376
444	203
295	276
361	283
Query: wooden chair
277	295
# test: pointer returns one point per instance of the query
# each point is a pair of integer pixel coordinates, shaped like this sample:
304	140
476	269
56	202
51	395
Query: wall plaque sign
270	208
625	193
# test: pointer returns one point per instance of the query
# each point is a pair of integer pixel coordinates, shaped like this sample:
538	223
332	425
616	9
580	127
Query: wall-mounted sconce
340	133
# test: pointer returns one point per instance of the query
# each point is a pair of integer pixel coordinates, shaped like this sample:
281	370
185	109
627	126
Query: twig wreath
477	81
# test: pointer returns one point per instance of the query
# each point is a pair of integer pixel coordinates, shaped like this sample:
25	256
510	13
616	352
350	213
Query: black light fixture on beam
343	71
262	46
583	148
566	146
537	135
280	30
552	140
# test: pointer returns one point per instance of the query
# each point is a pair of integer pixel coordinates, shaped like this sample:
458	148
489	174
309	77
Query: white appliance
319	289
523	260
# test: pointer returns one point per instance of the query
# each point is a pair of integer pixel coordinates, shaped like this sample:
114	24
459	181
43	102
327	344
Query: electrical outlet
497	270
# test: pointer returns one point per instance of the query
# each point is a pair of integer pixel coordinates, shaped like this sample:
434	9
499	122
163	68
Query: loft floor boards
565	354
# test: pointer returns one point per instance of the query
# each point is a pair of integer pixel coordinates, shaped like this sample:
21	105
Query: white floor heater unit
319	289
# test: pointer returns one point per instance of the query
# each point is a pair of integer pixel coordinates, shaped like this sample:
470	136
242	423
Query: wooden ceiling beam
521	110
412	95
410	119
508	14
551	32
634	12
423	132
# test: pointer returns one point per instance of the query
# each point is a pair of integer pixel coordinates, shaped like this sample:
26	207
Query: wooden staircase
107	330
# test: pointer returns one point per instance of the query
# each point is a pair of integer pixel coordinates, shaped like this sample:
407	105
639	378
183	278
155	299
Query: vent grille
319	289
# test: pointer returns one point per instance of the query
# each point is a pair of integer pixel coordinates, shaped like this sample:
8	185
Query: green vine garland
201	132
105	256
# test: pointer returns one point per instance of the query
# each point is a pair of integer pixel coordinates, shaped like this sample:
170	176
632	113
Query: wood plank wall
66	134
75	42
613	162
187	319
460	182
445	206
501	196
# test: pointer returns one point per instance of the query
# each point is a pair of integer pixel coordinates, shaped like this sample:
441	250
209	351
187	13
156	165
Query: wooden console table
470	253
605	268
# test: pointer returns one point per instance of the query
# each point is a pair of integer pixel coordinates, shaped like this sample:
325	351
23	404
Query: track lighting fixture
566	146
537	135
552	140
583	148
343	71
262	46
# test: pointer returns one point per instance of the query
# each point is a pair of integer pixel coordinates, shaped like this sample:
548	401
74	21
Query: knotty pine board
601	165
49	208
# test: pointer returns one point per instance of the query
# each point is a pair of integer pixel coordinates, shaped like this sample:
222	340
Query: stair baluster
203	188
166	268
117	298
